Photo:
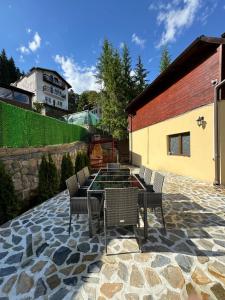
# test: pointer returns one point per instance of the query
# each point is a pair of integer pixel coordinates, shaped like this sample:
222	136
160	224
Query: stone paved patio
39	260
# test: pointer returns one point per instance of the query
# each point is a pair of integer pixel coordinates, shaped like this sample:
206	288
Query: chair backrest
142	171
86	172
72	185
81	177
121	206
148	176
158	182
113	166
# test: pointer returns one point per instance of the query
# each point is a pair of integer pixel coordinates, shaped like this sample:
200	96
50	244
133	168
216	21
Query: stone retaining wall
23	164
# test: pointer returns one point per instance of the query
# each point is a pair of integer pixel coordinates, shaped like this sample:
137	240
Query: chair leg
70	222
164	225
138	237
145	221
105	232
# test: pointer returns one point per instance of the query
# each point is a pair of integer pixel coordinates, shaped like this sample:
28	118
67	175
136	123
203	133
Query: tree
128	83
165	59
88	100
8	71
48	179
67	170
43	189
113	99
9	205
140	77
52	177
38	106
73	99
79	164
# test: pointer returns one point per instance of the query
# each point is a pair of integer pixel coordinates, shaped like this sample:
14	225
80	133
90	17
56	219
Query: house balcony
51	91
54	81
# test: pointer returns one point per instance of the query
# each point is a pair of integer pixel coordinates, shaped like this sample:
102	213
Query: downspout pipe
131	138
217	87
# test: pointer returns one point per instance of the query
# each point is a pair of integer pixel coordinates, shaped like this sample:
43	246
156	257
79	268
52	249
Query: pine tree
52	177
128	83
43	188
9	205
67	170
48	179
165	59
4	70
113	100
140	76
8	71
78	162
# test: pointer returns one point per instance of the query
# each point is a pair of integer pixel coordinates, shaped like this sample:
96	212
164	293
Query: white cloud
36	43
176	16
81	78
207	10
137	40
28	30
23	50
32	46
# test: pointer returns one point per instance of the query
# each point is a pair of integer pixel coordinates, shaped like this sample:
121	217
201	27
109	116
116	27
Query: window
179	144
21	97
5	93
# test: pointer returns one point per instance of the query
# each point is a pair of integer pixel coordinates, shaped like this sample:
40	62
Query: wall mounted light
200	121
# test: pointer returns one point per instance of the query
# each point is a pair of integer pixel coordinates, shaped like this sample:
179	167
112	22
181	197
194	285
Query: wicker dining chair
113	166
82	179
120	209
141	173
88	177
147	179
78	204
153	199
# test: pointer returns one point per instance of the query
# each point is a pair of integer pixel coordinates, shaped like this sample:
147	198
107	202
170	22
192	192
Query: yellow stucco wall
149	145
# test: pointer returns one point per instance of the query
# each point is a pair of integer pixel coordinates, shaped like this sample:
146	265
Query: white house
49	88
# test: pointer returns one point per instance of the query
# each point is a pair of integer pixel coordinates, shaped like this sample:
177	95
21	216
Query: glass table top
118	178
114	172
100	185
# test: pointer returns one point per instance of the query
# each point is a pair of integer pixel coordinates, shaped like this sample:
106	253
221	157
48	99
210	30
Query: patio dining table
110	178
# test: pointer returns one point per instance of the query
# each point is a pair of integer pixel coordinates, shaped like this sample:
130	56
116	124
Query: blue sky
67	35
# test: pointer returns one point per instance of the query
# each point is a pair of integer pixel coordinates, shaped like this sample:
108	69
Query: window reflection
6	93
23	98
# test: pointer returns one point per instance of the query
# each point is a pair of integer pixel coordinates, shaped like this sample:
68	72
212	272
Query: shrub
82	160
78	162
53	177
48	179
9	205
67	170
43	190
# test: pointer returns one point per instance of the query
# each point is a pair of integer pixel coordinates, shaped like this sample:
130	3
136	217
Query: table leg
89	214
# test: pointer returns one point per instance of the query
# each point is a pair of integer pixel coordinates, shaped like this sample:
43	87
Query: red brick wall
191	91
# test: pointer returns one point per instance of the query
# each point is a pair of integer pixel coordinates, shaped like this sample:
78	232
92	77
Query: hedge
24	128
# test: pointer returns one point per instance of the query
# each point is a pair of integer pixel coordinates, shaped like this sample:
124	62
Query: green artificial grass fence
24	128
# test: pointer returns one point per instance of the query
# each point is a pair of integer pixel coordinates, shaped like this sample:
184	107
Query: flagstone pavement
39	260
